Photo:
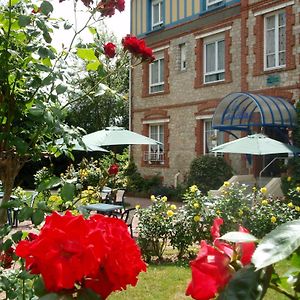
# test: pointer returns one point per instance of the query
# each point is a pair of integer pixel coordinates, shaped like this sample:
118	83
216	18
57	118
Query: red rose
137	48
120	5
108	7
113	170
210	272
71	252
110	50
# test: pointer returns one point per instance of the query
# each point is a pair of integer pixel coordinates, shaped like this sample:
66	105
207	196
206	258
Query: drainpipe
176	179
129	102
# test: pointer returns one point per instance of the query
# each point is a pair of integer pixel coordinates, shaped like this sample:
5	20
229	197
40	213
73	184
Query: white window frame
160	12
277	52
216	132
182	55
212	2
208	41
156	156
161	80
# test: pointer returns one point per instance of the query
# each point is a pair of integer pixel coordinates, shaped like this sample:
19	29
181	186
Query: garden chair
127	216
119	198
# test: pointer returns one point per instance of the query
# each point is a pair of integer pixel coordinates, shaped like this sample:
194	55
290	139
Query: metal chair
127	216
119	198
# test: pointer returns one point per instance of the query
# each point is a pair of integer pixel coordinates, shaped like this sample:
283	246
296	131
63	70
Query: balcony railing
153	156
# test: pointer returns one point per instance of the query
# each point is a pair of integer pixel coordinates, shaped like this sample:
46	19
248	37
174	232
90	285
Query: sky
119	23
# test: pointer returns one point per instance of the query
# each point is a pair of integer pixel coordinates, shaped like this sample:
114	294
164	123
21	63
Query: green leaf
92	30
93	66
38	217
244	285
47	62
25	213
46	8
24	20
60	89
43	52
20	145
238	237
277	245
24	275
39	287
47	37
14	2
86	54
7	244
17	236
87	294
68	192
48	184
67	25
51	296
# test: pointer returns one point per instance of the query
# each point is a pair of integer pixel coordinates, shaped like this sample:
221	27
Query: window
212	137
157	16
156	76
182	50
212	2
275	40
214	60
156	152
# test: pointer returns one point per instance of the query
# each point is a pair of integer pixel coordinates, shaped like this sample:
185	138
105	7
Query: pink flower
110	50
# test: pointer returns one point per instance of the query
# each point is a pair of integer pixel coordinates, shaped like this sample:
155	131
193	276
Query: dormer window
210	3
157	14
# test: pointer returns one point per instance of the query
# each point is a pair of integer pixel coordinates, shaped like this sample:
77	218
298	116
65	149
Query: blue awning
240	111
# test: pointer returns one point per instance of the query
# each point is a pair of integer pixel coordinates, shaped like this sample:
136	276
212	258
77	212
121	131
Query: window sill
155	94
274	70
210	84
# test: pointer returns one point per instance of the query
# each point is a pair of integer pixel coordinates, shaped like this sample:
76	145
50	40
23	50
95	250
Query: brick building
206	50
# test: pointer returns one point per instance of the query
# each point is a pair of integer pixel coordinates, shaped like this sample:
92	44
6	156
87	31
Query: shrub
232	206
154	227
208	172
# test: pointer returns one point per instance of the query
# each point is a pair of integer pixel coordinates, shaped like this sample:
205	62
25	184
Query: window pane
154	72
221	55
270	44
210	57
161	74
282	59
270	22
155	11
270	61
281	39
282	19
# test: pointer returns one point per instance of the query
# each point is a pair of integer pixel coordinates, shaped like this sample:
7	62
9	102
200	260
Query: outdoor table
102	208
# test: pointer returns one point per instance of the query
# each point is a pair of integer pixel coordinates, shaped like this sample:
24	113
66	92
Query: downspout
176	179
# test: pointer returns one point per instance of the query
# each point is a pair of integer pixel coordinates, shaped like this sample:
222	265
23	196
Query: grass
169	282
160	282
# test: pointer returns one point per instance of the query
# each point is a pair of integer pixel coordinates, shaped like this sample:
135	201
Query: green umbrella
111	136
256	144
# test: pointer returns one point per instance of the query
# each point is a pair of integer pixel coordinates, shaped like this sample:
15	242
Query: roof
240	111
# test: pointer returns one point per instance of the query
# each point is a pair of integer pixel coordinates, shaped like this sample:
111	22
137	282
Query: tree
106	106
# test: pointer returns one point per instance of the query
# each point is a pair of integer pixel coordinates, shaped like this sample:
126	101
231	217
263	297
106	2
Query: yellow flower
226	184
137	206
273	219
90	187
264	202
193	188
170	213
254	189
196	205
164	199
240	212
297	208
291	205
298	189
173	207
197	218
263	190
289	178
218	212
152	198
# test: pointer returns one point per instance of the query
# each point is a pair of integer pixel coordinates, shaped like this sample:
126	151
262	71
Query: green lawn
167	282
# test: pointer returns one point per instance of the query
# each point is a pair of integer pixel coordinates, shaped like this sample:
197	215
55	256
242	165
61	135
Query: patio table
102	208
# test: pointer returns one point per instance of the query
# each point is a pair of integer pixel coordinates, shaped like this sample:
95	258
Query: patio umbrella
88	147
111	136
256	144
